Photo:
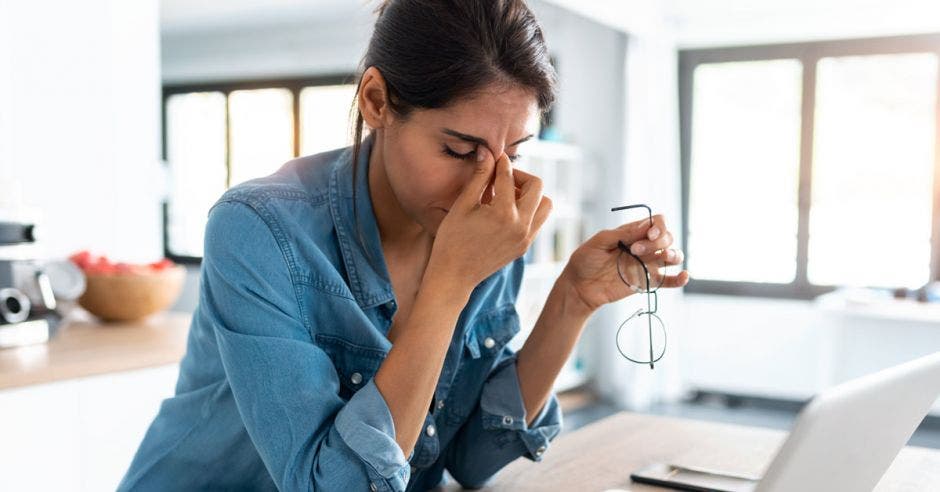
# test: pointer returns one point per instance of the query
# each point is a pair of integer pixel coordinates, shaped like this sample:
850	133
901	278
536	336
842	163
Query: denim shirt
276	389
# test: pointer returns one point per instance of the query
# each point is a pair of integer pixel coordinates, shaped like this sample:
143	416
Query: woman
355	305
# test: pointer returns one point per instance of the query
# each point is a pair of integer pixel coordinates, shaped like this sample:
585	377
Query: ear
373	99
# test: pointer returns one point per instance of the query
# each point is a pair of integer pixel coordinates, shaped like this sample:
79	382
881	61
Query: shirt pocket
492	331
355	364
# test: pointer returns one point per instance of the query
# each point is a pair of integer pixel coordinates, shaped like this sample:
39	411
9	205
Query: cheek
430	183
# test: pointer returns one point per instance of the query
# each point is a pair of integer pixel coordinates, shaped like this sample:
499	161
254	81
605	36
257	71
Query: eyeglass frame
650	310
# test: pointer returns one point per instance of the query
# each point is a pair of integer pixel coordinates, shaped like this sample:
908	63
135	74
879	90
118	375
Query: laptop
844	439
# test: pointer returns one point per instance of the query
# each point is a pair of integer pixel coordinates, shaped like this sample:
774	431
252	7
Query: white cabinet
788	349
78	434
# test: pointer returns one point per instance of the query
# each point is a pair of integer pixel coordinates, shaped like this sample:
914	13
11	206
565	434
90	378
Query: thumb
482	175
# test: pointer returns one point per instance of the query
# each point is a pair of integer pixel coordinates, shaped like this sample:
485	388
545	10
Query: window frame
809	54
294	85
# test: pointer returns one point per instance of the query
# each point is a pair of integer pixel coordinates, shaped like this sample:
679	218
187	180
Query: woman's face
431	155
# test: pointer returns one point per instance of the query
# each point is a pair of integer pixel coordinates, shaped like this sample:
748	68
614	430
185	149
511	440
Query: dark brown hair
433	52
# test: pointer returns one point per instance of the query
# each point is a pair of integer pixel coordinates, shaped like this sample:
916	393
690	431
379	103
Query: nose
496	155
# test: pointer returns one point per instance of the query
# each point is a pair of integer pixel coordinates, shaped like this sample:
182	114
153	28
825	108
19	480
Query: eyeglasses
644	325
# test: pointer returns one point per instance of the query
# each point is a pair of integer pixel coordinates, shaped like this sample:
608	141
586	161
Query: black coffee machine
28	303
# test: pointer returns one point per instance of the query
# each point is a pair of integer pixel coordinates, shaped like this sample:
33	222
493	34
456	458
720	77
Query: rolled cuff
365	424
502	407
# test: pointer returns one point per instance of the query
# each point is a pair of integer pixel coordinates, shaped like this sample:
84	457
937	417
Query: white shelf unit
562	170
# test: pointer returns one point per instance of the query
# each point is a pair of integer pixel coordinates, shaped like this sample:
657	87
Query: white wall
79	123
296	48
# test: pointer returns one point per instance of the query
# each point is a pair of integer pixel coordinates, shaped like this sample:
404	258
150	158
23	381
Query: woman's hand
476	239
592	273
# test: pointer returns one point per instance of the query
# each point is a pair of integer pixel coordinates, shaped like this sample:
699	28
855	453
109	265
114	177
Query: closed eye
470	156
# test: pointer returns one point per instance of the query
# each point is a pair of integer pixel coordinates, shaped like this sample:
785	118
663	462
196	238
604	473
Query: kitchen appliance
30	290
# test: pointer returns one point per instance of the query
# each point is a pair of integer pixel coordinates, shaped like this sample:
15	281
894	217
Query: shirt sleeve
496	432
285	386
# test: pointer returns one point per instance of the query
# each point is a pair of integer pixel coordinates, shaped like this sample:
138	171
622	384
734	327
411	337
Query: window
219	135
816	161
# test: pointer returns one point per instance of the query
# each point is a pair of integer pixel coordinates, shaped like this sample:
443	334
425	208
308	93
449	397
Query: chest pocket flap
492	330
355	364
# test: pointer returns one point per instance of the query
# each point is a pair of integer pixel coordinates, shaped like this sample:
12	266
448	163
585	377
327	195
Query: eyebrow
478	140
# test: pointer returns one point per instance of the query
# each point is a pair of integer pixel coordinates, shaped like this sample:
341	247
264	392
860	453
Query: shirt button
430	431
489	343
440	404
372	487
540	451
356	378
507	420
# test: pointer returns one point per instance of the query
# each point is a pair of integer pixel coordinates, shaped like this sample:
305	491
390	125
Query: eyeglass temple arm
649	212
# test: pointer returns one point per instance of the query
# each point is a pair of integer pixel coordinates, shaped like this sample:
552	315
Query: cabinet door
79	434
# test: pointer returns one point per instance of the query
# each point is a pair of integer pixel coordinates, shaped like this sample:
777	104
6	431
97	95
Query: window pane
744	171
262	132
196	158
873	170
324	118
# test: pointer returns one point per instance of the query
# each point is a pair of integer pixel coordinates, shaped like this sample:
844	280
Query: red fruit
102	265
82	259
162	264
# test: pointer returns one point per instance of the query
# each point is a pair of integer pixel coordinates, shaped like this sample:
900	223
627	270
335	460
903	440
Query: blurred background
791	146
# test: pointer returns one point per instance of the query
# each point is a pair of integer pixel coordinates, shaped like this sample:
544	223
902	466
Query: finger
540	216
666	257
673	281
473	191
530	192
649	230
643	247
503	182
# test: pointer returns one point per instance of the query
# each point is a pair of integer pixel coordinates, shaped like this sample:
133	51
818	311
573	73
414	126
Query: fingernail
654	233
481	156
638	249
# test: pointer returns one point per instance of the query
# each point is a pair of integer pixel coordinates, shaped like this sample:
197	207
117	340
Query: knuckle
505	215
537	182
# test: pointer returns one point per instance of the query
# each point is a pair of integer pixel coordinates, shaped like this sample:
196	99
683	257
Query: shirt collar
369	280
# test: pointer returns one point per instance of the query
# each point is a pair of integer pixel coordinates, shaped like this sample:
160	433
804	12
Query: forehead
493	112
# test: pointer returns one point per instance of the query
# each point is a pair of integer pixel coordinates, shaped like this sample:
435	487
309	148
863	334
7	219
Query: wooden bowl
131	296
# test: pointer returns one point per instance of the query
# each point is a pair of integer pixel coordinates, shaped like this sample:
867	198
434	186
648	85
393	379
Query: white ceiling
694	22
717	22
